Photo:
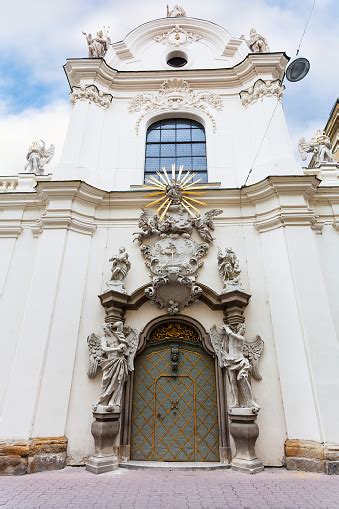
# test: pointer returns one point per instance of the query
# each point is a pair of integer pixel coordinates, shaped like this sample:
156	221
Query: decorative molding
177	36
175	94
262	89
56	222
92	94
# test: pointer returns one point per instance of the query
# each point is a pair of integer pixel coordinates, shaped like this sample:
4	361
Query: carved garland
177	36
261	89
175	94
92	94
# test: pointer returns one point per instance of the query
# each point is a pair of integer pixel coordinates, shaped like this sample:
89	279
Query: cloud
18	130
35	45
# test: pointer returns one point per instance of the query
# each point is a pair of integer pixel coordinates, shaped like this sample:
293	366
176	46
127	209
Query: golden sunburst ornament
174	189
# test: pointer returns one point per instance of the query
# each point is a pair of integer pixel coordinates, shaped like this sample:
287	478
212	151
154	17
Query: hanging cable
307	22
271	118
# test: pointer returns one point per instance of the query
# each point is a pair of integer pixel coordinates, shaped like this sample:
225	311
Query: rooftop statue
257	42
176	12
320	146
38	156
98	45
240	358
114	353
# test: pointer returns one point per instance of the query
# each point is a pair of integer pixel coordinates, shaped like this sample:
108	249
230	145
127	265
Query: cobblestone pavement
76	488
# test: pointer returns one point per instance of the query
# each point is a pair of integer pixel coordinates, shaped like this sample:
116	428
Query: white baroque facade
58	234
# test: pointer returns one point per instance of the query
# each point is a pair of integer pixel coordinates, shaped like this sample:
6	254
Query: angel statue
149	224
98	45
120	266
257	42
114	352
176	12
38	156
240	358
228	266
204	224
320	145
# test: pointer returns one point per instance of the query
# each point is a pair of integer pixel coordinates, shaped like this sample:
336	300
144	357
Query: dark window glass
179	141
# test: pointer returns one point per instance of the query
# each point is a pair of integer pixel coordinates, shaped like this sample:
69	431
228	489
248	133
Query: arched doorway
175	402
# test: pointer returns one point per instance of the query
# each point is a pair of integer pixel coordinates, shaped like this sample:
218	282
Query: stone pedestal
105	429
245	432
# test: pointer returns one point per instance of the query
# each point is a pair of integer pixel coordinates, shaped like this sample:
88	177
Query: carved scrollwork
175	94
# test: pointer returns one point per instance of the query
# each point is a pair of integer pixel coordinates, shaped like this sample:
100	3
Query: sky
37	37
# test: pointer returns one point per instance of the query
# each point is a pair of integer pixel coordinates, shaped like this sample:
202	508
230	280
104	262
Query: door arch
176	398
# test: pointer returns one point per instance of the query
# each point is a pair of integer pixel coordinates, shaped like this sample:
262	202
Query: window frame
172	132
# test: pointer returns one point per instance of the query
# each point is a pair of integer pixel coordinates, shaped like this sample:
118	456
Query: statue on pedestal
38	156
120	267
240	358
98	45
228	265
320	145
114	352
257	42
176	12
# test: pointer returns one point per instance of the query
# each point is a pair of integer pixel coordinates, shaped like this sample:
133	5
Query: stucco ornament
38	156
320	146
113	351
177	36
175	259
92	94
229	270
176	12
257	42
175	94
98	45
262	89
240	358
120	267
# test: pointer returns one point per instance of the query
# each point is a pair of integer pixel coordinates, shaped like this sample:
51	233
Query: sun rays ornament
178	188
174	259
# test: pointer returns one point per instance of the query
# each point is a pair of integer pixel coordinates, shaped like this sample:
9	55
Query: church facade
125	287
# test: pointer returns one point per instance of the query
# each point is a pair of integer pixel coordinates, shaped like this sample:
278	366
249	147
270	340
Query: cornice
274	202
268	66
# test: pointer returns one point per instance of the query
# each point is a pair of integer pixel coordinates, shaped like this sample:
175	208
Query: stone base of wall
310	456
35	455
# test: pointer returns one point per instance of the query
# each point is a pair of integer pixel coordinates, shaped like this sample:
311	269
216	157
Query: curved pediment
149	46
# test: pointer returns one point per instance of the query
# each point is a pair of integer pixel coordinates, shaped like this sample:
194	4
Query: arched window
179	141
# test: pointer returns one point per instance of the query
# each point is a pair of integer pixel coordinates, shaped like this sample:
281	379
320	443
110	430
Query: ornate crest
174	259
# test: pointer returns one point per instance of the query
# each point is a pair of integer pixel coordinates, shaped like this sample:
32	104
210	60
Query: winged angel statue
38	156
114	353
240	358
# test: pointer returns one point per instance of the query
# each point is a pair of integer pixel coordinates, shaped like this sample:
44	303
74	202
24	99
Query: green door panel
174	415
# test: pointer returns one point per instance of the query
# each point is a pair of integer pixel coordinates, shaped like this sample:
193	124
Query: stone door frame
126	416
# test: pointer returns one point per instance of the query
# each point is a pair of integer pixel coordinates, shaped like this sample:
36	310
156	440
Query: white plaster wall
103	148
84	391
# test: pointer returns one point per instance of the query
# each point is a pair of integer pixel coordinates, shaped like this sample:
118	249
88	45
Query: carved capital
262	89
92	94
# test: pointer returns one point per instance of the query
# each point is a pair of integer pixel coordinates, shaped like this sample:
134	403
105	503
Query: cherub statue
240	358
120	267
320	145
149	224
38	156
228	265
204	224
176	12
114	353
98	45
257	42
